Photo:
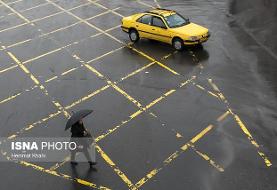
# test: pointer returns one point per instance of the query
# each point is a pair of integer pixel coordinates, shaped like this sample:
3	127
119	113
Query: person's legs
88	157
73	154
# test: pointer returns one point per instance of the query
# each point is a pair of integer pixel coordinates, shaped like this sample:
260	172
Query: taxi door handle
153	28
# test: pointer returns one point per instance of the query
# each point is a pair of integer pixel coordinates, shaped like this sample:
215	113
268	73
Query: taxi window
158	22
146	19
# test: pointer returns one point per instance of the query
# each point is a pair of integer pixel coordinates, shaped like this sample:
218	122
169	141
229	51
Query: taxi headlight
192	38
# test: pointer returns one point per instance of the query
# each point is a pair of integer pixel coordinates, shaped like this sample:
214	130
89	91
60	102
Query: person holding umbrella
80	135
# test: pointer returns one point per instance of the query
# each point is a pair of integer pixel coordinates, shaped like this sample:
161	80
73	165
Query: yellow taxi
166	26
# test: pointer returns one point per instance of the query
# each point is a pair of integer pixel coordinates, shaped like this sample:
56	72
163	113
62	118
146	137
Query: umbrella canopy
76	117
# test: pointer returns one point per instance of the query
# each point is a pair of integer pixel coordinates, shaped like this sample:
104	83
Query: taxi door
159	30
143	26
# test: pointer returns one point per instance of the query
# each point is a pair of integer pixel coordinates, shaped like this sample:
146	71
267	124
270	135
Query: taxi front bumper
198	41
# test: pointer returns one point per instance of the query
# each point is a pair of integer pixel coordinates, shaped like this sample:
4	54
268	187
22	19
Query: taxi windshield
176	20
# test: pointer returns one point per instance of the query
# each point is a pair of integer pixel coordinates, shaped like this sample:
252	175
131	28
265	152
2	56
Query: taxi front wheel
133	35
178	44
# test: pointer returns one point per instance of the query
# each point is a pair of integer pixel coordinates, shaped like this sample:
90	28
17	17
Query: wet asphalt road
194	122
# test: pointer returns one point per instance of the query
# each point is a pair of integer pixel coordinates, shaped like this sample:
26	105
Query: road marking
16	95
64	176
39	19
53	51
9	68
115	168
241	124
13	10
111	36
58	105
207	158
124	122
62	28
36	81
177	153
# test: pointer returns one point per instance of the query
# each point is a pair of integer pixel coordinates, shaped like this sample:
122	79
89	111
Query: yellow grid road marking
108	160
177	153
100	75
61	175
28	9
39	19
62	28
111	36
17	13
241	124
36	81
78	101
57	104
115	168
207	158
56	50
131	117
9	68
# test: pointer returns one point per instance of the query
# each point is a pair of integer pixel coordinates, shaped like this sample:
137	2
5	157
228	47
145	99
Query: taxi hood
191	29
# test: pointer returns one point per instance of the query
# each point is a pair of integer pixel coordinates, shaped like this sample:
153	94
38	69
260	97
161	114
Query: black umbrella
76	116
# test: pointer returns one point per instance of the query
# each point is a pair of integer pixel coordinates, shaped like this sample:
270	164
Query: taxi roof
162	12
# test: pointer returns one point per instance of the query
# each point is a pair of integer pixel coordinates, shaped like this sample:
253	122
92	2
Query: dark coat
77	130
77	135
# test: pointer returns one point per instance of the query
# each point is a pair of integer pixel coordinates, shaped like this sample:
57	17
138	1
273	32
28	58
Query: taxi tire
134	33
180	44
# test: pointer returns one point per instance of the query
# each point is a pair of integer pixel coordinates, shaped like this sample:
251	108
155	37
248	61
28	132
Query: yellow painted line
137	71
125	94
104	55
58	105
43	120
201	87
53	78
29	127
39	19
28	9
69	71
9	68
13	27
13	10
111	36
172	157
241	125
43	55
115	27
122	123
10	98
115	168
207	158
201	134
207	91
223	116
31	8
61	175
58	13
154	60
150	175
144	67
87	97
68	26
19	43
13	2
